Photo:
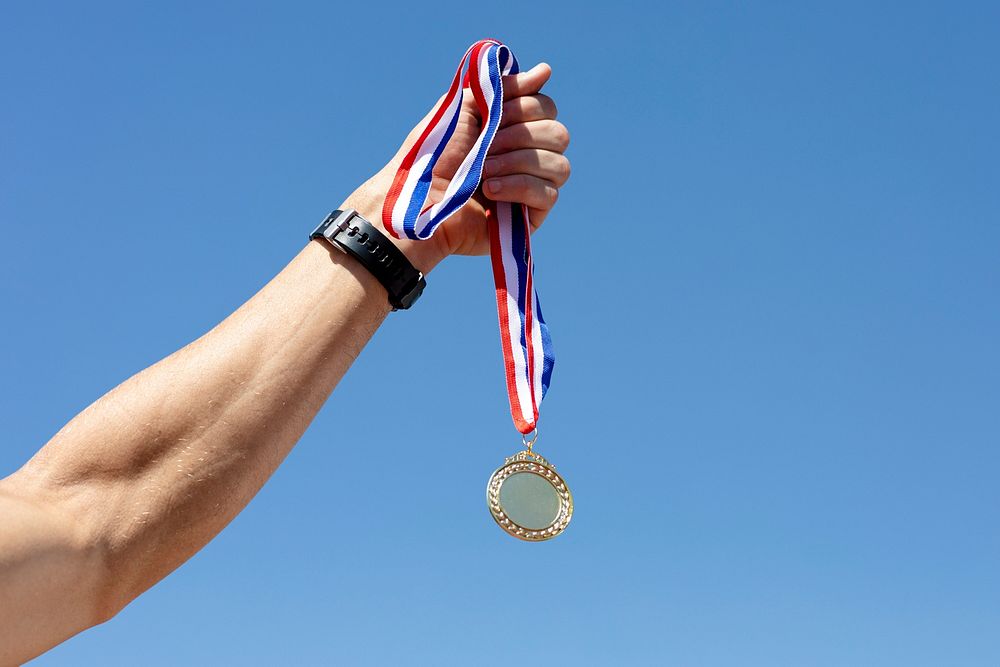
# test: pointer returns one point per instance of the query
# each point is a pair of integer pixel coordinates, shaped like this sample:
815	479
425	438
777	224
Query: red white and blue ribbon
524	337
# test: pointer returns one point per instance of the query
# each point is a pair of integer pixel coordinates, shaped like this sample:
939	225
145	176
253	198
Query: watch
352	234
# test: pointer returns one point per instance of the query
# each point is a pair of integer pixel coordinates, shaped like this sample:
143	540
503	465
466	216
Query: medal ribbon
524	337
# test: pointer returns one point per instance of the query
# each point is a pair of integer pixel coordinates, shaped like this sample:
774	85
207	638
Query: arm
147	475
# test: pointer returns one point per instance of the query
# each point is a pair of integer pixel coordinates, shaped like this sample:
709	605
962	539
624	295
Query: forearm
147	475
154	469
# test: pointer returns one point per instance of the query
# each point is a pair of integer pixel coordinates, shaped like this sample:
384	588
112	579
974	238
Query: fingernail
491	166
494	185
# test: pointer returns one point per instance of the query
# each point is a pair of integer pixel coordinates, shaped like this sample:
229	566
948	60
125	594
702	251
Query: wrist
368	200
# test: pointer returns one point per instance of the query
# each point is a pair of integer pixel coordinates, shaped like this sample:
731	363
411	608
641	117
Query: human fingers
550	135
528	108
522	189
526	83
547	165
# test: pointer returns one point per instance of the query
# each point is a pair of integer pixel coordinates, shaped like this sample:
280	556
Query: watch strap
351	233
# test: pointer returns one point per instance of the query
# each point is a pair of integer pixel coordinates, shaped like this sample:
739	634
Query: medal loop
527	441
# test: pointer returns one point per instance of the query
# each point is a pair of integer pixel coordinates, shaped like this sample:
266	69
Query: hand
525	165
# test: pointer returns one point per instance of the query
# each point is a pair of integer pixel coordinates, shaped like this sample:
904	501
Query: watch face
529	499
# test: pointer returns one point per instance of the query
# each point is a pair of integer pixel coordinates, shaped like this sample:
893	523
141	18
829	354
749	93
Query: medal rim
530	463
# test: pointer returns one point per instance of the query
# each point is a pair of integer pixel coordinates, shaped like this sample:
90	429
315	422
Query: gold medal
528	498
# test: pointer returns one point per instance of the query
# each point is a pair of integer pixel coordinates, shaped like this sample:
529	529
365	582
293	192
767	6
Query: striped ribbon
524	337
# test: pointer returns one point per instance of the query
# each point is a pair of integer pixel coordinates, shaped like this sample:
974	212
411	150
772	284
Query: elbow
71	521
113	576
100	574
106	597
55	575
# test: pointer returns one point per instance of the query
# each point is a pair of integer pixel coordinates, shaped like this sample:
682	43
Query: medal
526	496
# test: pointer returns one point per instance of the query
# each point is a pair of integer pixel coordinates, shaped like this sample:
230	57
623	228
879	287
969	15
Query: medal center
529	500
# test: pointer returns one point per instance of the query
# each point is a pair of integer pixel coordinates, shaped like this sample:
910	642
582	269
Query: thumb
526	83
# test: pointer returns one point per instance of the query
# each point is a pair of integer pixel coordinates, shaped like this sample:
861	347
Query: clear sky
772	284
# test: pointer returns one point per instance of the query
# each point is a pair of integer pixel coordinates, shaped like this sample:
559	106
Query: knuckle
548	106
563	169
561	135
551	195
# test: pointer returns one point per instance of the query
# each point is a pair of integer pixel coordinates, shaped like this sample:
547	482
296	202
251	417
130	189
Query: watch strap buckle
349	232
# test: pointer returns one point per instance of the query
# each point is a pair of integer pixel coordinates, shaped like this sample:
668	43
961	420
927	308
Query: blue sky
771	282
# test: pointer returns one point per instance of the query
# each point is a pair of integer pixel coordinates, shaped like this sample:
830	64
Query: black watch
359	238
